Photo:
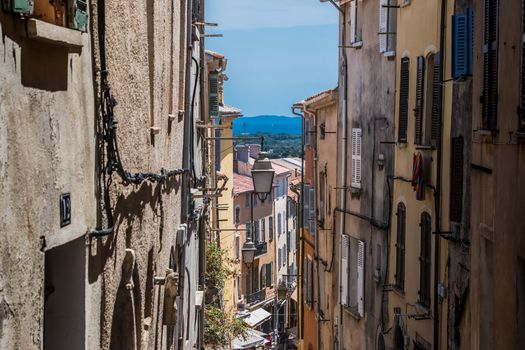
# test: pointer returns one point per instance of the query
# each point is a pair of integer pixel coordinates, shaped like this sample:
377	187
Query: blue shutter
470	39
459	46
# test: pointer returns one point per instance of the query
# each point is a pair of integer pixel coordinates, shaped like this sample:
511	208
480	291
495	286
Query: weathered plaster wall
143	54
371	106
46	148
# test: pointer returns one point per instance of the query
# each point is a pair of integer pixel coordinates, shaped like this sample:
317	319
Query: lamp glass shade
248	252
262	176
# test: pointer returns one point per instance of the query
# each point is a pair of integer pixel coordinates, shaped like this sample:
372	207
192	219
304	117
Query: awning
253	339
256	317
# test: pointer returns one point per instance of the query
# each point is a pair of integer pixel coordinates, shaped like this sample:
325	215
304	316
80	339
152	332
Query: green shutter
24	7
78	15
213	94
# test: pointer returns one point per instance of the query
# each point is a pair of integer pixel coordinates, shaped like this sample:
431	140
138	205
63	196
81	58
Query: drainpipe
316	247
437	237
300	241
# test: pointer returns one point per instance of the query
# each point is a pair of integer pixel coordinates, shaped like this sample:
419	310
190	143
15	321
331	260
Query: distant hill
267	124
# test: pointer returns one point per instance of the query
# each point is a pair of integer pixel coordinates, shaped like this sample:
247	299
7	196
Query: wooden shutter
456	180
213	94
383	25
361	279
264	279
424	260
420	87
459	45
270	228
436	101
400	246
345	247
306	206
263	230
403	100
356	157
269	274
522	93
24	7
490	65
312	221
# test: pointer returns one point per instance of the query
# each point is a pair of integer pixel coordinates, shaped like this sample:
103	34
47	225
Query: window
270	228
285	253
387	27
322	131
269	275
322	186
308	276
213	94
237	214
462	25
428	100
279	226
424	260
354	24
456	180
352	274
490	65
247	200
254	201
403	100
312	225
356	157
249	231
279	257
239	289
400	247
256	230
263	229
237	247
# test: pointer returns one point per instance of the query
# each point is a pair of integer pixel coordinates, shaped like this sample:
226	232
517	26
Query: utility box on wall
24	7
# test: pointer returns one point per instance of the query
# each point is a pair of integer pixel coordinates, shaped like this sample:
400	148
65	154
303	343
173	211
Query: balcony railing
256	297
261	248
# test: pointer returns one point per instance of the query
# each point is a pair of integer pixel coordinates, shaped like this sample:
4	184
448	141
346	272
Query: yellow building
421	183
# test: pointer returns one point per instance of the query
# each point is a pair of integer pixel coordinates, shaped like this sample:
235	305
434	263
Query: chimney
255	150
242	152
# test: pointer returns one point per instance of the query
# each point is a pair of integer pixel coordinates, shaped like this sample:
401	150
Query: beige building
95	212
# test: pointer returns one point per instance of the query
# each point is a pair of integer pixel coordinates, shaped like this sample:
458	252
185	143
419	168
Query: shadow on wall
42	65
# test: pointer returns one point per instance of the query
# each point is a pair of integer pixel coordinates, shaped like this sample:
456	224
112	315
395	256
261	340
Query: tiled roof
242	183
279	170
229	110
215	54
315	97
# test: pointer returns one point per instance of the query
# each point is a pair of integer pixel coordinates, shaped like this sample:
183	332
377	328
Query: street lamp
248	251
262	176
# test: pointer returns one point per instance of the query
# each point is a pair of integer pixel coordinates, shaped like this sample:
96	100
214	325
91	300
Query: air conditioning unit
24	7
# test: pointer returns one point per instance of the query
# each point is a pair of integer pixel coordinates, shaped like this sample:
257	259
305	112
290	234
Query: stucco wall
47	147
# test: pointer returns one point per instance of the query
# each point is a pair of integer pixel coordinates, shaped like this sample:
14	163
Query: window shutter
345	248
270	227
307	132
403	100
383	25
424	260
24	7
456	181
436	101
490	65
356	157
522	94
400	246
263	230
269	276
361	279
460	48
420	85
78	15
213	94
264	279
353	21
312	221
306	206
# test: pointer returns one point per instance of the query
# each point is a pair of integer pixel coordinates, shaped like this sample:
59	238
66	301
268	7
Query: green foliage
219	329
278	145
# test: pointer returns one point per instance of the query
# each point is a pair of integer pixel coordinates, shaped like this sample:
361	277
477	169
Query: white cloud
249	14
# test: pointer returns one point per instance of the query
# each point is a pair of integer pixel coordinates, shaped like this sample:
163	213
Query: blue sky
278	51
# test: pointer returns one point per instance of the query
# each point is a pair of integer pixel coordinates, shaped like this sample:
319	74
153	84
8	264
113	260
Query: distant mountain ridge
273	124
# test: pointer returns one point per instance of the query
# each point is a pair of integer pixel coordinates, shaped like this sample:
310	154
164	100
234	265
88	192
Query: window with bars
489	98
456	180
387	27
353	274
400	247
404	84
356	157
424	260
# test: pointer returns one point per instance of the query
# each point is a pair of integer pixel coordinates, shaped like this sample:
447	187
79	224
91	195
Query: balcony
261	248
256	297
